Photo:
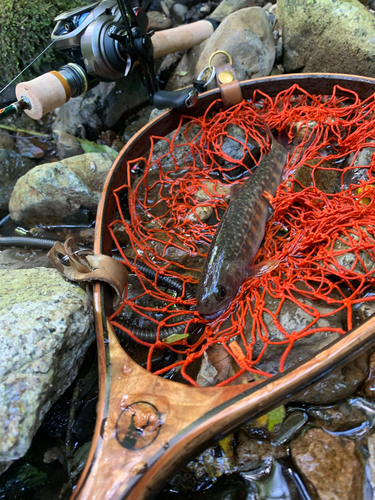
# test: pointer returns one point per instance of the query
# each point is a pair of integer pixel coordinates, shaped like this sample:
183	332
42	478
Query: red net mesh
321	231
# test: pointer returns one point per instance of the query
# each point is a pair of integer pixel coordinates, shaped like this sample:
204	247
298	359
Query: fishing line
28	66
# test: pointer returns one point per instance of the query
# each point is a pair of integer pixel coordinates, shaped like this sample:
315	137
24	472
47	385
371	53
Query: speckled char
239	235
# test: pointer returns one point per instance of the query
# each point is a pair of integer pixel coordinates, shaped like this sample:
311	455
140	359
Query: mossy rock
331	36
26	28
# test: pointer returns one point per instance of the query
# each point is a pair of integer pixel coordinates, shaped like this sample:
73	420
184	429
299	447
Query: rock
360	170
325	179
6	141
184	73
23	258
179	12
328	465
83	112
337	418
339	384
158	21
167	66
252	453
337	34
12	166
235	148
67	144
227	7
371	459
247	36
30	147
289	428
292	318
102	107
60	192
345	255
46	328
369	385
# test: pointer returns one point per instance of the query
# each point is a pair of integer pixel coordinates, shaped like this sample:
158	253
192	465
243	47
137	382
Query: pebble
179	12
158	21
328	465
289	428
252	453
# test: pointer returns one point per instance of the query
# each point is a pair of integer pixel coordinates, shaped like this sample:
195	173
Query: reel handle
51	90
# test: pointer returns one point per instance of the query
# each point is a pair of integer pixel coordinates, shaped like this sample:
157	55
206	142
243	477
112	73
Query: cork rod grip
181	38
45	93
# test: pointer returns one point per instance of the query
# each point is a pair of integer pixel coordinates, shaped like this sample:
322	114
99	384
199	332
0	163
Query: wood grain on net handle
148	427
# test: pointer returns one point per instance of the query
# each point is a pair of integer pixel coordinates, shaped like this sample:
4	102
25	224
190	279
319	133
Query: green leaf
31	132
175	337
275	417
94	147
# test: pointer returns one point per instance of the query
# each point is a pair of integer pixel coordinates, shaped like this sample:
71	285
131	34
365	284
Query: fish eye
221	293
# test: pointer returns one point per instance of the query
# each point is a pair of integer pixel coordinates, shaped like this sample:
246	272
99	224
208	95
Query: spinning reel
104	42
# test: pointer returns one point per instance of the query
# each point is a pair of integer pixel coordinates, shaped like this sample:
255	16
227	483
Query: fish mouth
212	316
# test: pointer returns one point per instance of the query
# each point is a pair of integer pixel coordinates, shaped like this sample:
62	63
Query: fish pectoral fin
264	267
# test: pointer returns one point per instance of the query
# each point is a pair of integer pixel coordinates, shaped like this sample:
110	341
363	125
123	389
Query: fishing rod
104	41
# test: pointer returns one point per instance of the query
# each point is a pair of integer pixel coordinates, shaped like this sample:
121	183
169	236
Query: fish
239	235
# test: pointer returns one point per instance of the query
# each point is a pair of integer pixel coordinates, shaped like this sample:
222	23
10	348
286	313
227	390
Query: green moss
26	27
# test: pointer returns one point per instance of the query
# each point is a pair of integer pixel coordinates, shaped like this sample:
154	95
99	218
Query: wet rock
247	36
294	319
336	34
6	141
210	465
339	384
289	428
359	172
200	213
365	309
371	459
210	190
12	166
329	465
30	147
252	453
158	21
22	258
67	144
337	418
345	256
324	178
369	385
235	148
46	328
60	192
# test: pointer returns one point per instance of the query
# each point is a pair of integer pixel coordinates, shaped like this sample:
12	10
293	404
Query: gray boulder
227	7
102	107
327	36
247	36
46	326
12	166
61	192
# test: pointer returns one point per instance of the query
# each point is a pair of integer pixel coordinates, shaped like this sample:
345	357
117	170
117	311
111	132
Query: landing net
322	231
